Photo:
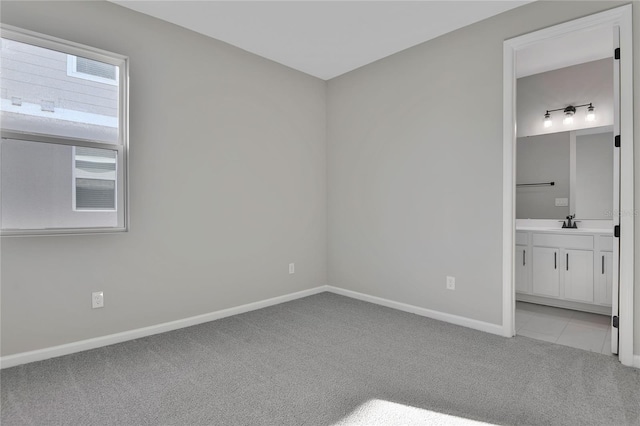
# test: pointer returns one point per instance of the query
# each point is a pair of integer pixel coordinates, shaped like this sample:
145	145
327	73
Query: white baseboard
636	361
566	304
97	342
440	316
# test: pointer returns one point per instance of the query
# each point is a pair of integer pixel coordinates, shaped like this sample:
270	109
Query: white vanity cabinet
578	275
565	268
546	274
604	273
522	269
522	263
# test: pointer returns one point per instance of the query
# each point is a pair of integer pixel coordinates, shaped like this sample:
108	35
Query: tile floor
581	330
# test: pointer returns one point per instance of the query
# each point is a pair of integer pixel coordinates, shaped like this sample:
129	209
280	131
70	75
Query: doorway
567	327
618	22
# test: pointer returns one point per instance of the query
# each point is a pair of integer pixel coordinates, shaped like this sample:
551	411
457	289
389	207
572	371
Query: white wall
415	167
575	85
227	183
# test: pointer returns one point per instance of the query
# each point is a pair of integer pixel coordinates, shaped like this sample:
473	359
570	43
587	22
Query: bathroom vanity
568	268
561	176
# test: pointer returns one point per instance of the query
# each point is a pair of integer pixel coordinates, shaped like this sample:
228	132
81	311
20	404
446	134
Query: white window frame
122	145
72	71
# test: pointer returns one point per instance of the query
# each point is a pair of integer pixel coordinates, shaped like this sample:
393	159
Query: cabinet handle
567	261
524	262
555	260
603	265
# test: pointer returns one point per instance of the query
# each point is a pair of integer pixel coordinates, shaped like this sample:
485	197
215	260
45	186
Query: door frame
618	17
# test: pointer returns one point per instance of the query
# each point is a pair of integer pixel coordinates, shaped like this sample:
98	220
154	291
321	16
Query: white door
578	275
616	195
546	271
522	268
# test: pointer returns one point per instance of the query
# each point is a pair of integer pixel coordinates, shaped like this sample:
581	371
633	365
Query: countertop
565	230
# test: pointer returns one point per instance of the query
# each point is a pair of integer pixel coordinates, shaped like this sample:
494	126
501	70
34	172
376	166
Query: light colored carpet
324	360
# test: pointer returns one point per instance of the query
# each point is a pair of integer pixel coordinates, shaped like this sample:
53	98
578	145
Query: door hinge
616	53
615	322
616	231
616	142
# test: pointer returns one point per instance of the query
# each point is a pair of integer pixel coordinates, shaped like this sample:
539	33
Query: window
94	182
88	69
64	136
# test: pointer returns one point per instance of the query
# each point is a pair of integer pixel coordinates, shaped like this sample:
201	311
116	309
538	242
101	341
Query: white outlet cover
97	299
562	202
292	268
451	283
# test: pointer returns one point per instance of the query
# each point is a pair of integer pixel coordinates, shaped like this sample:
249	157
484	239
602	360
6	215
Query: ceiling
323	38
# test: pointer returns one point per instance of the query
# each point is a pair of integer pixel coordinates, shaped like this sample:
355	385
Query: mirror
580	165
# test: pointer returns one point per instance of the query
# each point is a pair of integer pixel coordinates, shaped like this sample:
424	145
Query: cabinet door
604	279
546	271
522	270
578	275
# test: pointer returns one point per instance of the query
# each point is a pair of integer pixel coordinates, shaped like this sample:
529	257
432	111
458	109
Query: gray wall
542	158
228	185
575	85
415	167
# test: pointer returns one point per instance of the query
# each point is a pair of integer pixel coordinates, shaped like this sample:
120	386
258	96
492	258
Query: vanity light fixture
569	112
591	113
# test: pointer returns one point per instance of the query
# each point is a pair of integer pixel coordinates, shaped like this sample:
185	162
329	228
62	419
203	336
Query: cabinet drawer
522	238
606	243
565	241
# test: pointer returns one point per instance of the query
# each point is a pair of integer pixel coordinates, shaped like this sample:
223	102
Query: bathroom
567	178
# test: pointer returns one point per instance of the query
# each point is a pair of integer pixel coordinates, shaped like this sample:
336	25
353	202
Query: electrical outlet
562	202
292	268
97	299
451	283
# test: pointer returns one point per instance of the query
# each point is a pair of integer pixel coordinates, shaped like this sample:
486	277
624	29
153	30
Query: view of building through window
39	95
95	179
62	147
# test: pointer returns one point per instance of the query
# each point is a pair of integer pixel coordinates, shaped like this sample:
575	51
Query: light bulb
591	114
547	120
568	114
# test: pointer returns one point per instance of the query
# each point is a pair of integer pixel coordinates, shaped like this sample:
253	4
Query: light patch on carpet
377	411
